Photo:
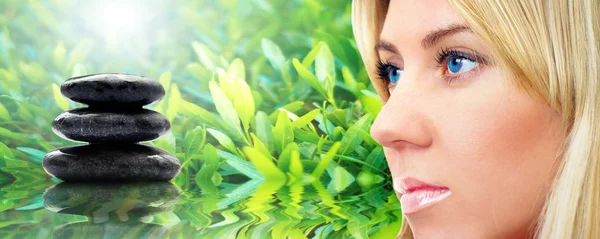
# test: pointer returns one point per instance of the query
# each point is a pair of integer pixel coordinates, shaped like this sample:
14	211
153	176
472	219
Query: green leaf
194	141
340	179
81	51
355	134
61	101
34	72
173	102
227	84
325	160
324	65
9	81
4	115
349	80
35	154
263	129
5	133
223	140
225	108
310	57
338	117
79	70
264	165
258	145
240	165
237	69
283	133
370	102
166	142
244	102
204	55
165	80
198	71
273	53
309	77
191	110
5	151
376	158
59	55
204	177
306	119
296	167
285	158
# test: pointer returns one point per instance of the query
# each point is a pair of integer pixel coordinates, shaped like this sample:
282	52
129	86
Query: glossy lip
410	184
416	195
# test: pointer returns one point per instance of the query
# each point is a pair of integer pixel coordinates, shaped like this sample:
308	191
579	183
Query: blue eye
394	74
459	64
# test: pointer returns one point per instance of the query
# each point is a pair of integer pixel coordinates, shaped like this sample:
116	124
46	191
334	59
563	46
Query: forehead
408	19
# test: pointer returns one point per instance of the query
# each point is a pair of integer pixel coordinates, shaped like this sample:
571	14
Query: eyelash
383	68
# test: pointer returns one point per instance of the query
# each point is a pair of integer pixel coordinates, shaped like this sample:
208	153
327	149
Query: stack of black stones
113	125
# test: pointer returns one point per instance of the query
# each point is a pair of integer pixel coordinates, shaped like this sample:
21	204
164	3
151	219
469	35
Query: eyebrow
430	40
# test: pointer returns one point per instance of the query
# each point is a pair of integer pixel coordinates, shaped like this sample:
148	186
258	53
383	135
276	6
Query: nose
403	121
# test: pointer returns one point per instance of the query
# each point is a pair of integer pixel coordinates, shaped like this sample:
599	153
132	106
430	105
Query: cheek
503	144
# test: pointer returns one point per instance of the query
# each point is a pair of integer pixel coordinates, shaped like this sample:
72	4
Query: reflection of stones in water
101	202
110	229
113	209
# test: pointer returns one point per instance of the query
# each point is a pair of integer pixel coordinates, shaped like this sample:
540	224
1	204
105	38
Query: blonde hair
551	48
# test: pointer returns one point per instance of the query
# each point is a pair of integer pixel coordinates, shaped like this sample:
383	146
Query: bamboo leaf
225	107
244	102
223	140
194	141
260	146
310	57
370	101
296	167
325	160
173	103
237	69
286	156
324	64
263	129
79	70
264	165
166	142
283	133
355	134
192	110
273	53
61	101
204	55
4	115
306	119
35	154
309	77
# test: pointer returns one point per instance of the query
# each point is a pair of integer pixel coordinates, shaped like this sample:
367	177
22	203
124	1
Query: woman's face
471	155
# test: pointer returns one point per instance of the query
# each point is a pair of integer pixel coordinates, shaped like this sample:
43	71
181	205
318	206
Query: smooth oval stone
111	162
102	89
106	125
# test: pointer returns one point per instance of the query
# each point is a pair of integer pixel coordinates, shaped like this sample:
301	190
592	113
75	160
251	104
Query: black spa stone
118	90
110	125
111	162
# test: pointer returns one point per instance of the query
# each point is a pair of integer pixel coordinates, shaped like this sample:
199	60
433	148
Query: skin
488	141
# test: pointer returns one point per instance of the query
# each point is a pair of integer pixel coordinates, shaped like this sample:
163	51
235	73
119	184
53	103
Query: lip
417	195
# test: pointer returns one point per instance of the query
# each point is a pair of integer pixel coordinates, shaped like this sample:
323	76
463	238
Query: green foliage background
271	92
